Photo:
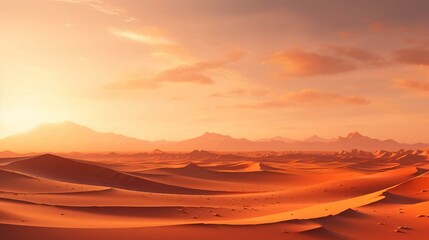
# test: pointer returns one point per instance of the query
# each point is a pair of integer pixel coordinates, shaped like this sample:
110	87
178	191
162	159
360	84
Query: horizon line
264	139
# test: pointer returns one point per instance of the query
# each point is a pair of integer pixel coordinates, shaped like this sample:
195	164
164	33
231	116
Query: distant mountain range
71	137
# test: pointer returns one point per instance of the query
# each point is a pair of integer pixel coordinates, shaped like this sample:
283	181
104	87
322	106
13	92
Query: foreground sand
203	195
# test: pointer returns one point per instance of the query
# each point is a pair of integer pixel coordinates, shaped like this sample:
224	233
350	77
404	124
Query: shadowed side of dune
12	176
266	167
195	171
235	167
412	191
75	171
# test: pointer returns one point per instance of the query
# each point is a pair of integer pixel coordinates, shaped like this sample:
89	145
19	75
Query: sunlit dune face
171	70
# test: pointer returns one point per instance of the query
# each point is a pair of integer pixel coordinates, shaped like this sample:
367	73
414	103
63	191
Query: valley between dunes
207	195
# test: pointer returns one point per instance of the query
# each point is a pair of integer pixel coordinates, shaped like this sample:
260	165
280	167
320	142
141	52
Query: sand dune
17	182
68	170
200	194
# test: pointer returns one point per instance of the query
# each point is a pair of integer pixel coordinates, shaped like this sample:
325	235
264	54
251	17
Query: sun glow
21	117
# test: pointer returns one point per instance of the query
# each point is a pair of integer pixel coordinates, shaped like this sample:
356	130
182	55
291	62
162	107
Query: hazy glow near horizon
175	69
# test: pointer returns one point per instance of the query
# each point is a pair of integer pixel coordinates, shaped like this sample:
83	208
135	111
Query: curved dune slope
202	195
74	171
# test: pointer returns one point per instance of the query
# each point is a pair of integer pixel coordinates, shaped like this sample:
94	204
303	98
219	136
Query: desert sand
207	195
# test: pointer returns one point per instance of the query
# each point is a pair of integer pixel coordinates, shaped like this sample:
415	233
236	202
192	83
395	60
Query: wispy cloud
309	97
194	73
413	56
304	64
353	53
242	92
389	27
412	85
145	36
136	83
158	40
97	5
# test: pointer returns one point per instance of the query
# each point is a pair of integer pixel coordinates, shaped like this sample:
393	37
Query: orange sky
159	69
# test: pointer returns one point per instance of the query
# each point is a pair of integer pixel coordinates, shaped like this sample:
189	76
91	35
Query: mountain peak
282	139
68	136
64	124
8	153
353	135
69	123
315	138
214	135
